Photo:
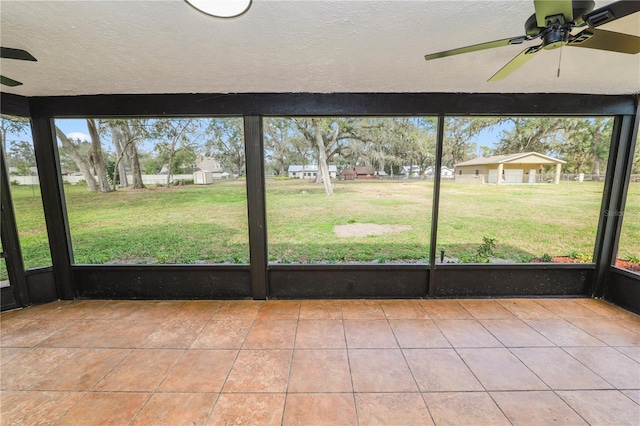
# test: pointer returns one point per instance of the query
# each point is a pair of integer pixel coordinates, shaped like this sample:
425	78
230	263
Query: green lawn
208	224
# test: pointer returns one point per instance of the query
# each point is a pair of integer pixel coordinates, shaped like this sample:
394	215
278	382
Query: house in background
415	171
309	172
209	169
445	172
365	172
348	174
523	167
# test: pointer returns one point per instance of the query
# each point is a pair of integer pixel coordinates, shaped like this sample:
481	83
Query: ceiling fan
563	22
19	54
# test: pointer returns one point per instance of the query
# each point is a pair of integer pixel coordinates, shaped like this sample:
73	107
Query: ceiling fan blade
611	12
606	40
481	46
22	55
545	8
516	63
9	81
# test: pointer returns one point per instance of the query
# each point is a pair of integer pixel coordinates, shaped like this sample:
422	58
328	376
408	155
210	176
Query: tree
458	133
328	137
82	164
530	134
21	155
11	125
178	136
279	142
96	158
225	140
125	135
587	143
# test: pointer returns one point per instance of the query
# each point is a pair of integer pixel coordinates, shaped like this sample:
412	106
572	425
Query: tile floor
361	362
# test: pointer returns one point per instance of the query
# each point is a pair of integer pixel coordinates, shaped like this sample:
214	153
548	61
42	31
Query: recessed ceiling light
221	8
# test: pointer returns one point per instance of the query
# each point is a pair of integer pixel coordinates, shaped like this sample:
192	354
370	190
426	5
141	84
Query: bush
14	183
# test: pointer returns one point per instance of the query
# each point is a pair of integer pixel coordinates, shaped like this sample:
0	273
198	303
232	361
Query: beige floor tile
320	409
319	334
75	334
279	310
38	408
260	371
32	366
602	407
320	370
515	333
271	334
467	334
380	409
567	308
176	409
633	394
536	408
604	308
105	408
237	310
222	334
632	352
248	409
176	334
115	310
418	334
202	310
7	354
77	309
608	331
440	370
499	369
380	370
154	310
125	334
369	334
526	308
403	309
611	365
362	309
199	371
142	370
83	370
563	333
485	309
445	309
32	333
464	408
558	369
320	309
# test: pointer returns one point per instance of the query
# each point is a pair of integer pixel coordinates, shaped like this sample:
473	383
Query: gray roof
506	158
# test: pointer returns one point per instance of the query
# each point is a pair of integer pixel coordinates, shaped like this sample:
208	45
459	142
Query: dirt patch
366	229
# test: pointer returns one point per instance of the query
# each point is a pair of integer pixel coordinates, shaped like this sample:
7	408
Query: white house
445	172
309	172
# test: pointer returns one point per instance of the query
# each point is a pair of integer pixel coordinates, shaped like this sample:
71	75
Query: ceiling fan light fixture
221	8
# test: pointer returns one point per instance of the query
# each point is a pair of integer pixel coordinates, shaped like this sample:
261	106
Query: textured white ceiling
104	47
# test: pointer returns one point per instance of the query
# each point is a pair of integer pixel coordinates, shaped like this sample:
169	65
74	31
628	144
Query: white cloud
79	135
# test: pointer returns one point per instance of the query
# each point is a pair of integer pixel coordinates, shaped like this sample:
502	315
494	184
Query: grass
208	224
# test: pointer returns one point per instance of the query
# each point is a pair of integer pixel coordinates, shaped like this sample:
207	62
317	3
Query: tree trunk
98	161
172	154
322	158
116	137
132	151
82	164
596	154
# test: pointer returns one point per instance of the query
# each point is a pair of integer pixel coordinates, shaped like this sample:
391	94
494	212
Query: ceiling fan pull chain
559	61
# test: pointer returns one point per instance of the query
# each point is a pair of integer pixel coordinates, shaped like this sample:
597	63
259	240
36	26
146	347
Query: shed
348	174
522	167
365	172
202	177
